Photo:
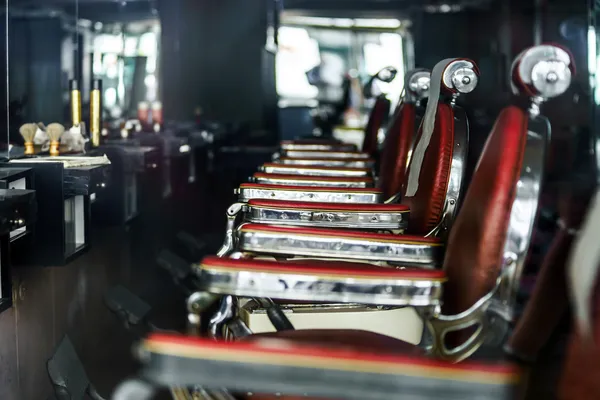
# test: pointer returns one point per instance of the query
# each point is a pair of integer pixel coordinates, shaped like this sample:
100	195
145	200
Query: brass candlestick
75	102
96	112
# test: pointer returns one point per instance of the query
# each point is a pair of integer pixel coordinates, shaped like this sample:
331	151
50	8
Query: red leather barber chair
433	184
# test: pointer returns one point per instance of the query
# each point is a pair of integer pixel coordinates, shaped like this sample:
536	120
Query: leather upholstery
342	234
317	268
305	205
266	186
380	111
397	145
427	205
475	247
312	178
536	324
581	372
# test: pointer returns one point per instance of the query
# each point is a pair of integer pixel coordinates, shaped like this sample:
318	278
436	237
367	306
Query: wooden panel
9	379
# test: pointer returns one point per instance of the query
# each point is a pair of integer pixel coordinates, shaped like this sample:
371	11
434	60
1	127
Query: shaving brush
28	132
55	131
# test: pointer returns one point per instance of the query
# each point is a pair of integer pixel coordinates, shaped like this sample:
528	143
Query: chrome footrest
325	181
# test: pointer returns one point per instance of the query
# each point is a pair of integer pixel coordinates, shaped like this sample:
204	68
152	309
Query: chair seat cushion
363	367
321	281
346	207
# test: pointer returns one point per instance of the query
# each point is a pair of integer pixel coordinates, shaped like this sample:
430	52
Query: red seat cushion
305	205
322	268
398	141
265	186
344	234
476	244
427	205
380	111
312	178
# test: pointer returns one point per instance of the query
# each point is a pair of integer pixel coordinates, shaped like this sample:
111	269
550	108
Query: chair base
399	323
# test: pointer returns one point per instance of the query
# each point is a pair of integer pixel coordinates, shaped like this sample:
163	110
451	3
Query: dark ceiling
104	10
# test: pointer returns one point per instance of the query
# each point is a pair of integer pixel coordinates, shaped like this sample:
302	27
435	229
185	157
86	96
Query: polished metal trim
318	147
326	218
291	244
305	287
524	211
318	196
326	162
367	183
315	171
324	154
456	179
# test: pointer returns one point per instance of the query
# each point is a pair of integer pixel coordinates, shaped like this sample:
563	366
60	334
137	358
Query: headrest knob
461	76
543	71
417	84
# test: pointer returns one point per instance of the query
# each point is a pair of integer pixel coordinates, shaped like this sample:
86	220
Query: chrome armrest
324	181
314	170
321	282
249	191
339	244
327	215
326	162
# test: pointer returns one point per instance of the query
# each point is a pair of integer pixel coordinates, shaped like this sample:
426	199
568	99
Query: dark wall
212	57
35	67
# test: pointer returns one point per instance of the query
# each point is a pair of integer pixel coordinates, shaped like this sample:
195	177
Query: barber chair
431	194
399	139
381	108
464	306
581	371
